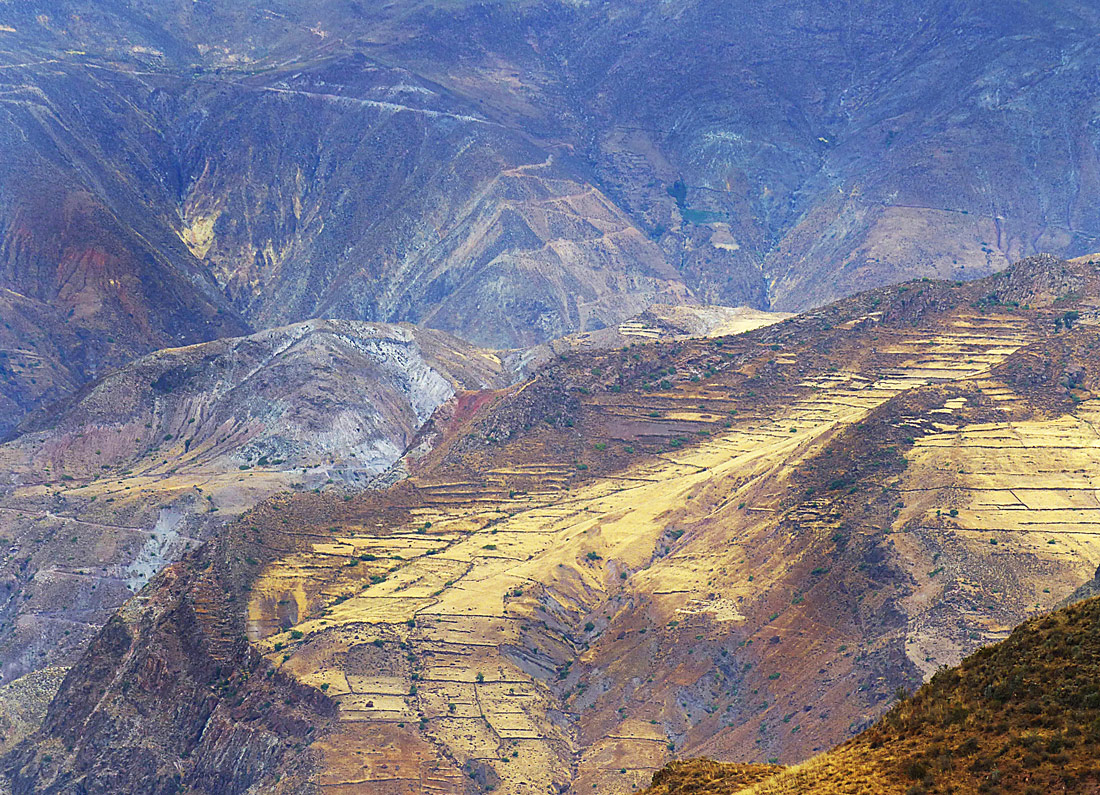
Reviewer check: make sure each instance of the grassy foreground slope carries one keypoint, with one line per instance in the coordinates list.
(1021, 716)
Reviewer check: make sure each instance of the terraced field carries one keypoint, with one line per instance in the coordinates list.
(736, 547)
(535, 638)
(1004, 516)
(97, 497)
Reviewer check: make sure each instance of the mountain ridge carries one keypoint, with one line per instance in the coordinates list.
(374, 414)
(700, 161)
(556, 548)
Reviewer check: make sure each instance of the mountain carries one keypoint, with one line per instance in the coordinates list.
(512, 172)
(738, 547)
(105, 488)
(87, 279)
(373, 414)
(149, 460)
(1021, 716)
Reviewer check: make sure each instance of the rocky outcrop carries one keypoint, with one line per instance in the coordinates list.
(235, 724)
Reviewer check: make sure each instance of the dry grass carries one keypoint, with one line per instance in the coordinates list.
(1020, 717)
(706, 775)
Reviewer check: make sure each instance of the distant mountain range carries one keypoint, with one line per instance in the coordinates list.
(511, 172)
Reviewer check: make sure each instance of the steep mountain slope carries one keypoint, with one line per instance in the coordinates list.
(387, 198)
(88, 279)
(234, 723)
(332, 187)
(1022, 716)
(738, 547)
(35, 347)
(511, 172)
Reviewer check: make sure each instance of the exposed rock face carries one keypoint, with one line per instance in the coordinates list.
(235, 726)
(302, 396)
(736, 547)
